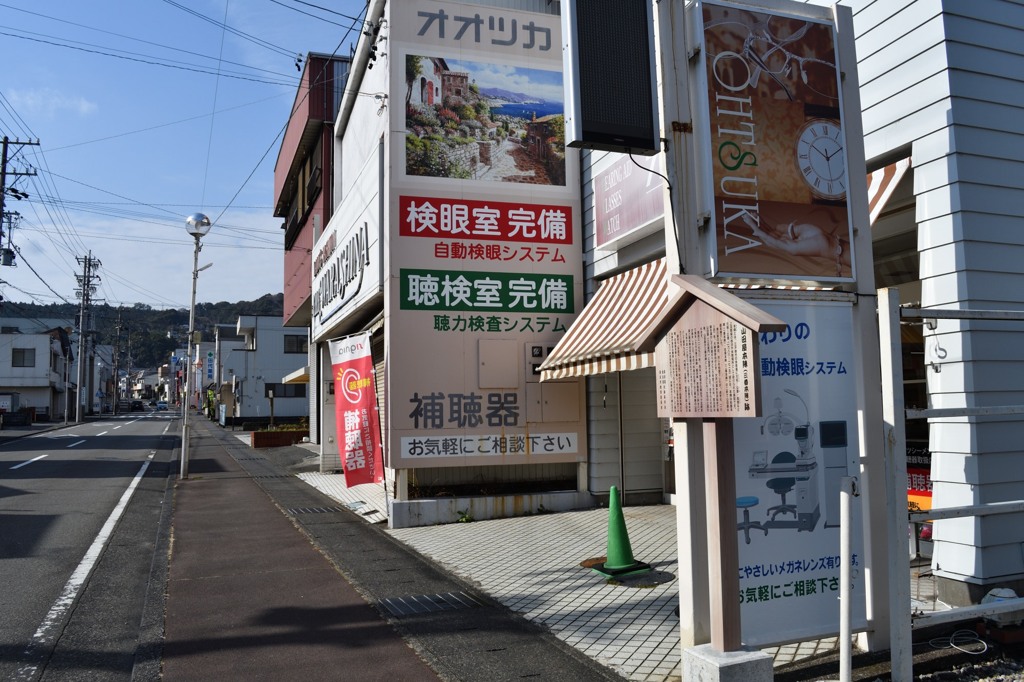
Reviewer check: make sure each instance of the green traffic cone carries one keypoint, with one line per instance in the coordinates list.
(619, 560)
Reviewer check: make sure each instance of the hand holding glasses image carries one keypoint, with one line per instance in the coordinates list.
(785, 50)
(802, 239)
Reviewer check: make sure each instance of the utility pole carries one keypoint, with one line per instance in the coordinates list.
(117, 359)
(128, 363)
(8, 254)
(86, 288)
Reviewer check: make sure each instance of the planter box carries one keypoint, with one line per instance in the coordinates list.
(276, 439)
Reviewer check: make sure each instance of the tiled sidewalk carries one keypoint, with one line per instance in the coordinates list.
(366, 500)
(532, 565)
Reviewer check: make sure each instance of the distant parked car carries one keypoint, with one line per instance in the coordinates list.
(137, 405)
(161, 405)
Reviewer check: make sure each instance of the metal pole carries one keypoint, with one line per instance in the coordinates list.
(188, 362)
(3, 177)
(901, 652)
(67, 380)
(81, 358)
(847, 489)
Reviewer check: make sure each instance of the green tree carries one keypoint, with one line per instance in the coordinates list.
(413, 70)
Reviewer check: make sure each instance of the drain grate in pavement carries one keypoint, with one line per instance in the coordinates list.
(429, 603)
(250, 459)
(272, 476)
(313, 510)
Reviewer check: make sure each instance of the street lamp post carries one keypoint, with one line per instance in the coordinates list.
(197, 225)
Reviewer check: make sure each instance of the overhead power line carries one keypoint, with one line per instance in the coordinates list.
(310, 14)
(21, 257)
(132, 38)
(241, 34)
(153, 61)
(324, 9)
(294, 110)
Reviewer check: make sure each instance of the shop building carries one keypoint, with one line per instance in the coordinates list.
(405, 258)
(455, 245)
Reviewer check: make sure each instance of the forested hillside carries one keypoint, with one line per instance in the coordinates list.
(148, 334)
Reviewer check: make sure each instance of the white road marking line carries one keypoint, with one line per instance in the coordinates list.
(102, 433)
(77, 442)
(34, 459)
(45, 635)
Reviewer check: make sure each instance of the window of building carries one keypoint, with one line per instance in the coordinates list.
(23, 357)
(286, 390)
(294, 343)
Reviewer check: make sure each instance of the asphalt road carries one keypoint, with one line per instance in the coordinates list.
(79, 513)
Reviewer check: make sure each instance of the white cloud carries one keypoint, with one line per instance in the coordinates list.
(49, 103)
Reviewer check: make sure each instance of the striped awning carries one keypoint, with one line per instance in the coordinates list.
(882, 183)
(607, 334)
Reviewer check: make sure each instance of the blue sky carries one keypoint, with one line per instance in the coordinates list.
(543, 84)
(148, 111)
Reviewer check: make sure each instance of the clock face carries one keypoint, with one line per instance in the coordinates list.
(822, 159)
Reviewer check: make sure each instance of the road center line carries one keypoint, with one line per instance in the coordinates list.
(46, 635)
(102, 433)
(77, 442)
(34, 459)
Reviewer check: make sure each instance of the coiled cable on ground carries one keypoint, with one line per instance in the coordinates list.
(958, 640)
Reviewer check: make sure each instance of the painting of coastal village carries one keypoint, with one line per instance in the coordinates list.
(479, 121)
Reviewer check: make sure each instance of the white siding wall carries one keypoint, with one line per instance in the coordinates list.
(944, 81)
(266, 364)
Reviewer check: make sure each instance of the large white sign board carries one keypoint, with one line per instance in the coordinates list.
(789, 464)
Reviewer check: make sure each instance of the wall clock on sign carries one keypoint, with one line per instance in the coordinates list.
(821, 158)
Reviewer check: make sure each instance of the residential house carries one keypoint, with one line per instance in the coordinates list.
(37, 365)
(268, 351)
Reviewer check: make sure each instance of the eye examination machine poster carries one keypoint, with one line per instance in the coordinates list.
(789, 465)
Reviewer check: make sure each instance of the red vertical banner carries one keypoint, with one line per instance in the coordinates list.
(358, 424)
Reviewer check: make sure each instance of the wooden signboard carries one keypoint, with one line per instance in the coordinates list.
(706, 359)
(707, 366)
(705, 351)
